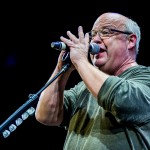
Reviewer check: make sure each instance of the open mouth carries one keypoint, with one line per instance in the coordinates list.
(98, 55)
(101, 51)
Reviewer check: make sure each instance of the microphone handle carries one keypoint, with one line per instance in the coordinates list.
(93, 47)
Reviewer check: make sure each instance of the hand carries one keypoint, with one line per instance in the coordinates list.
(78, 46)
(61, 62)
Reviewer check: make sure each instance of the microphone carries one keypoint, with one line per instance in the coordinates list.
(93, 48)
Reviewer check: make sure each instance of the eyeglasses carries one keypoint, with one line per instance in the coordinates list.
(106, 33)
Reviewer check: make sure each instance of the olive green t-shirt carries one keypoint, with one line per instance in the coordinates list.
(106, 122)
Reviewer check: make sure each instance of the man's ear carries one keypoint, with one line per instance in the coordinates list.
(132, 41)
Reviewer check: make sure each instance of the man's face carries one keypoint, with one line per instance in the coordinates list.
(114, 45)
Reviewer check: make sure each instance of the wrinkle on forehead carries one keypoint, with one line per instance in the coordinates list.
(110, 20)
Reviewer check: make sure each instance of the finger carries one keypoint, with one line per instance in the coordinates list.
(81, 34)
(67, 41)
(87, 38)
(72, 37)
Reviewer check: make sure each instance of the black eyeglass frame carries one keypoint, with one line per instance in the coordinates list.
(119, 31)
(114, 30)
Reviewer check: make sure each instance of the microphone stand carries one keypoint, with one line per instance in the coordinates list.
(25, 109)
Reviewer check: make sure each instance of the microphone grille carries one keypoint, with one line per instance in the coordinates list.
(94, 48)
(58, 45)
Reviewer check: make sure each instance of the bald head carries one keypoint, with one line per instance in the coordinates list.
(118, 21)
(113, 15)
(110, 19)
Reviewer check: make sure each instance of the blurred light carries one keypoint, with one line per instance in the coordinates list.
(12, 127)
(19, 121)
(25, 115)
(31, 111)
(10, 61)
(6, 133)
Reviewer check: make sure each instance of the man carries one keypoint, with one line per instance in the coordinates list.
(110, 108)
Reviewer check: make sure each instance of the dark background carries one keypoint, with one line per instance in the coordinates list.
(27, 60)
